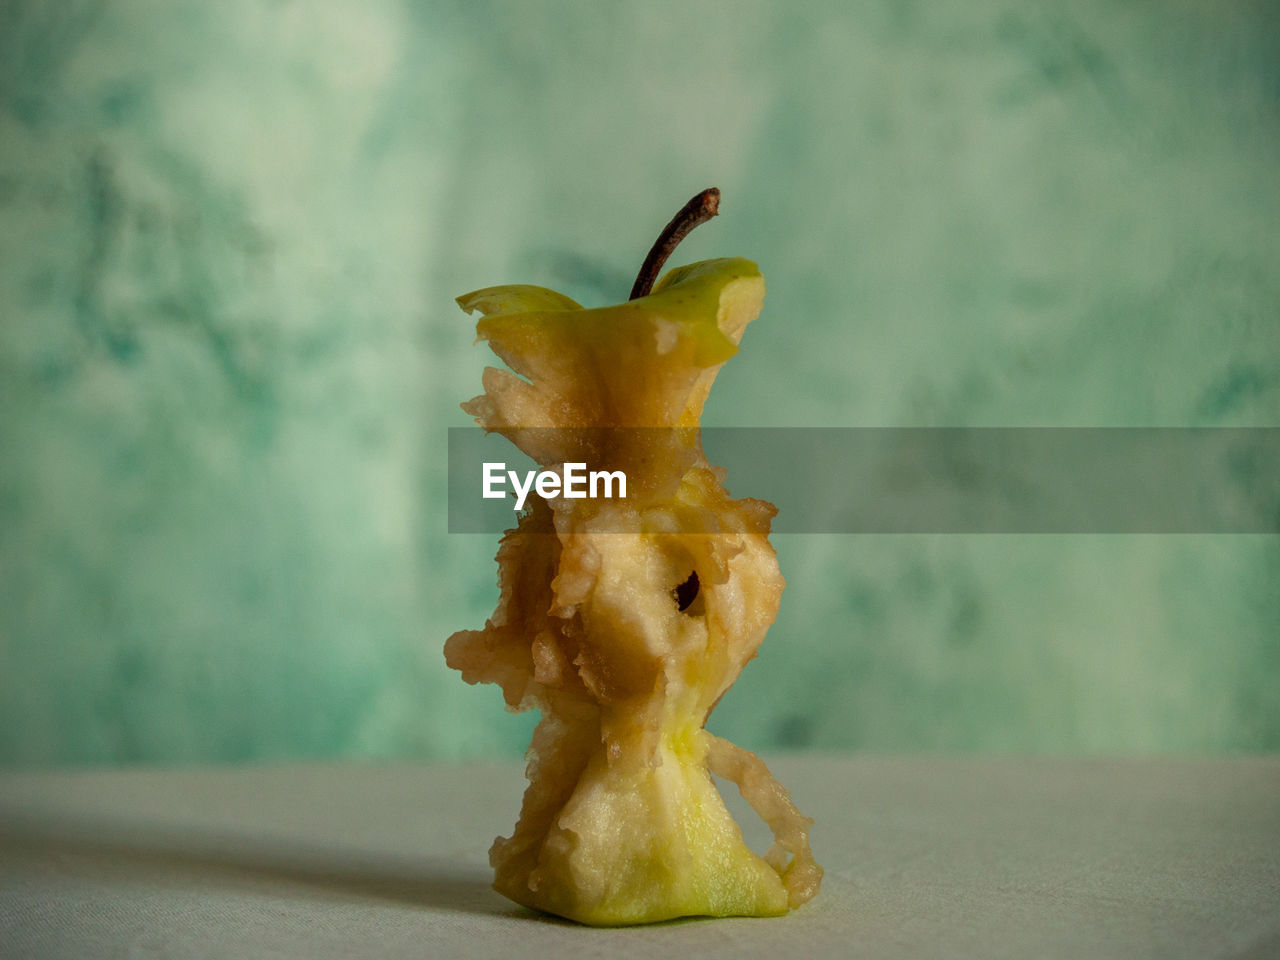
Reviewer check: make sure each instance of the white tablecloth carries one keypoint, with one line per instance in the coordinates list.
(925, 857)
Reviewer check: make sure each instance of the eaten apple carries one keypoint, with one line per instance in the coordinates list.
(625, 620)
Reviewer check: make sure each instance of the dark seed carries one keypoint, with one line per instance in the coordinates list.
(687, 592)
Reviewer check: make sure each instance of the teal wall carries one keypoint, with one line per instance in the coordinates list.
(230, 235)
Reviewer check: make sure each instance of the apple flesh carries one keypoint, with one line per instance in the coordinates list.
(625, 621)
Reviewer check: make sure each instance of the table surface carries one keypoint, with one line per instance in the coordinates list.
(924, 857)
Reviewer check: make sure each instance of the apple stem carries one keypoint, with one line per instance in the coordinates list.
(698, 210)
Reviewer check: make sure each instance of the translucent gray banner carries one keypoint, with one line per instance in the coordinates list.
(921, 480)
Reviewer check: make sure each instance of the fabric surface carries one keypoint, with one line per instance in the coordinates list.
(924, 857)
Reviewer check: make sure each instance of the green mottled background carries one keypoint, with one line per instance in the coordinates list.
(230, 235)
